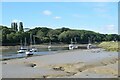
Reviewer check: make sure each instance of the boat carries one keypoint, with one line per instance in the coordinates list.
(32, 49)
(49, 47)
(89, 46)
(23, 49)
(75, 46)
(29, 53)
(71, 46)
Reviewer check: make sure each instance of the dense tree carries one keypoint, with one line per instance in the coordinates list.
(11, 36)
(53, 35)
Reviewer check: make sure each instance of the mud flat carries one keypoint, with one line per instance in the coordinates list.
(93, 63)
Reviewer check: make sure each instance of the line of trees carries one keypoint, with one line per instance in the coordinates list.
(11, 36)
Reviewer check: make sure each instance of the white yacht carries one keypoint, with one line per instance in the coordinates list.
(71, 46)
(49, 46)
(75, 45)
(33, 49)
(89, 46)
(22, 50)
(28, 53)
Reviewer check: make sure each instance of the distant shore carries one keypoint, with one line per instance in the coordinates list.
(46, 46)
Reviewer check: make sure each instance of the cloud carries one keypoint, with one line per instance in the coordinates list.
(110, 27)
(76, 15)
(57, 17)
(47, 12)
(16, 20)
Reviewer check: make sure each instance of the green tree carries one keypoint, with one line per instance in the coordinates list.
(53, 35)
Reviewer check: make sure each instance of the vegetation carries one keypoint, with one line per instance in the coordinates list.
(110, 46)
(13, 36)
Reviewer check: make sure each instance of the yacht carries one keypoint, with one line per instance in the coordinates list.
(71, 46)
(75, 46)
(29, 53)
(89, 46)
(22, 49)
(49, 46)
(33, 49)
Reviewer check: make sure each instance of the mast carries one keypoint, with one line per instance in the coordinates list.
(21, 42)
(50, 43)
(31, 39)
(25, 42)
(75, 40)
(34, 39)
(71, 41)
(89, 41)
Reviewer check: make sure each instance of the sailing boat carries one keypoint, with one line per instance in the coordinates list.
(71, 46)
(75, 46)
(89, 44)
(22, 49)
(33, 49)
(49, 47)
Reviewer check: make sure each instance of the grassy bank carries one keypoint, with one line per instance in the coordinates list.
(110, 46)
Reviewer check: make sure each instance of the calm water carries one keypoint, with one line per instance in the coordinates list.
(12, 53)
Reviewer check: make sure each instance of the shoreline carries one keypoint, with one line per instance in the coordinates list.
(44, 46)
(72, 63)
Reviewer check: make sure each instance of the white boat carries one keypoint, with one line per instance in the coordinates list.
(49, 46)
(75, 45)
(33, 49)
(22, 50)
(89, 46)
(71, 46)
(28, 53)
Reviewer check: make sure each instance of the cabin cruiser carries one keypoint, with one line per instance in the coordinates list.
(71, 46)
(33, 49)
(89, 46)
(29, 53)
(22, 50)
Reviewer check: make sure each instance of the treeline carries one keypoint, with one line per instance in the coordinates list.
(45, 35)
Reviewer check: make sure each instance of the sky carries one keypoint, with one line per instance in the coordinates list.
(100, 17)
